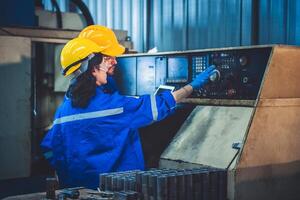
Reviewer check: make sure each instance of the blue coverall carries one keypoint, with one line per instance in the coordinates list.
(102, 137)
(111, 85)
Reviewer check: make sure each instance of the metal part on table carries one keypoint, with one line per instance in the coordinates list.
(168, 184)
(51, 186)
(68, 193)
(126, 195)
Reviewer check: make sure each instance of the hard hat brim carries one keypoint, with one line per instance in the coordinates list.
(73, 69)
(114, 50)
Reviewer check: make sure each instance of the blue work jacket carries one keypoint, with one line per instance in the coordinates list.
(103, 137)
(111, 85)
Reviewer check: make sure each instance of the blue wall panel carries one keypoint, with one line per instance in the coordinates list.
(279, 22)
(213, 23)
(194, 24)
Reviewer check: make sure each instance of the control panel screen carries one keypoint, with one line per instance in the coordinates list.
(177, 69)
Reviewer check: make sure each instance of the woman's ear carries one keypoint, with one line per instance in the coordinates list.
(94, 71)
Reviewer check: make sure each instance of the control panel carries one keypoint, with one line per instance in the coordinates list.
(238, 72)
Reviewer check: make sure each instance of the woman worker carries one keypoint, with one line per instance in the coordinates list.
(96, 132)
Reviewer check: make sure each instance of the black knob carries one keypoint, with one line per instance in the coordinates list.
(243, 60)
(245, 79)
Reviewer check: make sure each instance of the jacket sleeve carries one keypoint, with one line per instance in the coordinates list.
(49, 143)
(147, 109)
(47, 148)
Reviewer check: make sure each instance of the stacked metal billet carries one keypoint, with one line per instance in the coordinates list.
(118, 181)
(167, 184)
(123, 184)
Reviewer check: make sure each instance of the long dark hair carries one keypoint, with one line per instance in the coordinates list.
(84, 87)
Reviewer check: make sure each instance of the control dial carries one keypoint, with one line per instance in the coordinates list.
(215, 76)
(243, 60)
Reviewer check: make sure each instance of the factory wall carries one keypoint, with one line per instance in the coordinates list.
(197, 24)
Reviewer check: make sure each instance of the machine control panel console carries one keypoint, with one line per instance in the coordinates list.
(238, 72)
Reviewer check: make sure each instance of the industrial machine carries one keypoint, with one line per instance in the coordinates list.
(246, 120)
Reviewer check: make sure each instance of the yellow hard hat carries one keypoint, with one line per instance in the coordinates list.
(75, 52)
(105, 38)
